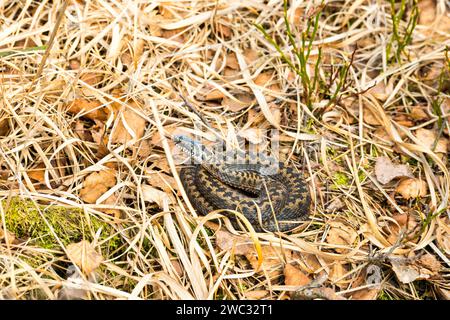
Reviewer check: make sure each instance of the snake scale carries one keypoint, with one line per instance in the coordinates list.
(272, 200)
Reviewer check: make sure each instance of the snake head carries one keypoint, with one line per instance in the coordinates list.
(194, 148)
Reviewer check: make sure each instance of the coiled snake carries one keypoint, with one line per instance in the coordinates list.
(272, 198)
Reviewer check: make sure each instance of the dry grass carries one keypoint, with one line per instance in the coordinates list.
(141, 56)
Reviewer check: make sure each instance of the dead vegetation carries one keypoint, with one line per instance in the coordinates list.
(91, 92)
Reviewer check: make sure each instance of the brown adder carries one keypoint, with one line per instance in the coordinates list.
(272, 196)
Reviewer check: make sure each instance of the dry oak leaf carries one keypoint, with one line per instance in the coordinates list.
(231, 74)
(130, 125)
(37, 173)
(412, 188)
(264, 78)
(210, 93)
(96, 184)
(341, 234)
(427, 11)
(365, 293)
(253, 135)
(7, 236)
(92, 110)
(273, 258)
(91, 78)
(381, 91)
(250, 56)
(427, 138)
(336, 276)
(111, 200)
(84, 255)
(294, 276)
(335, 205)
(409, 270)
(4, 127)
(405, 221)
(369, 118)
(385, 170)
(419, 113)
(241, 101)
(224, 30)
(169, 130)
(154, 195)
(161, 180)
(383, 136)
(403, 120)
(231, 61)
(255, 294)
(239, 245)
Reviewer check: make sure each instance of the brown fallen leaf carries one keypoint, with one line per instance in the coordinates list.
(250, 56)
(255, 294)
(419, 113)
(264, 78)
(404, 120)
(96, 184)
(161, 180)
(341, 234)
(427, 11)
(408, 270)
(224, 30)
(405, 222)
(169, 130)
(178, 267)
(253, 135)
(214, 94)
(4, 127)
(37, 173)
(337, 271)
(294, 276)
(273, 257)
(370, 118)
(7, 237)
(90, 109)
(243, 100)
(154, 195)
(335, 205)
(382, 136)
(130, 125)
(427, 138)
(91, 78)
(174, 35)
(84, 255)
(239, 245)
(111, 200)
(231, 74)
(386, 171)
(412, 188)
(74, 64)
(231, 61)
(430, 73)
(381, 91)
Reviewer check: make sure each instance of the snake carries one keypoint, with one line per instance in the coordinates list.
(271, 195)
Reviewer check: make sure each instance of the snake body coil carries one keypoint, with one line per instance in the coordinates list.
(272, 200)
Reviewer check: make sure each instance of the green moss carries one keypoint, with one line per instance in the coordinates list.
(341, 179)
(28, 221)
(361, 176)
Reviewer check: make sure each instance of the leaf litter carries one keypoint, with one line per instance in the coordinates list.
(363, 113)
